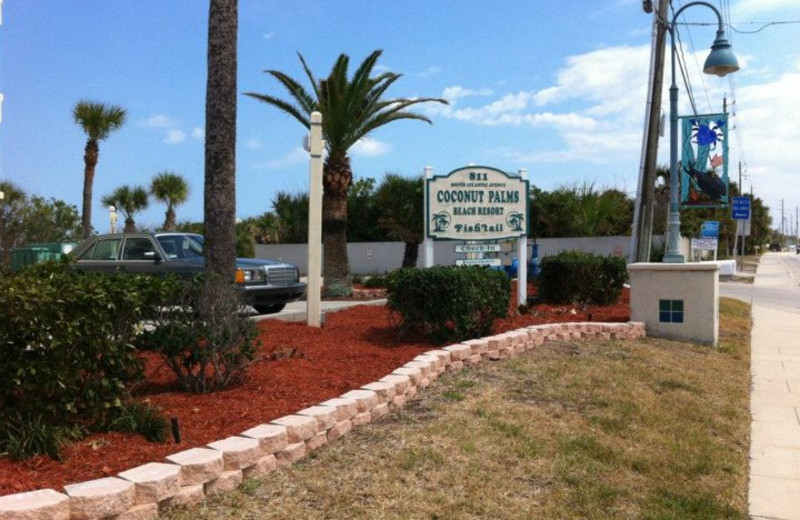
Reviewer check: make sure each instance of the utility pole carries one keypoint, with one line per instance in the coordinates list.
(783, 220)
(641, 234)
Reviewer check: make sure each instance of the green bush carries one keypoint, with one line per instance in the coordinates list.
(375, 281)
(206, 339)
(67, 353)
(448, 303)
(25, 436)
(585, 278)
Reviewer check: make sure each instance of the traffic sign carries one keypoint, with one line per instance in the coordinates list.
(740, 208)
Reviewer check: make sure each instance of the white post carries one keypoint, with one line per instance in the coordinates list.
(316, 146)
(522, 256)
(428, 242)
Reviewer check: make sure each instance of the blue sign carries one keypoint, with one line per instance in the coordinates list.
(740, 208)
(709, 229)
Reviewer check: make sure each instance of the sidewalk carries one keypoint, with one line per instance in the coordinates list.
(775, 398)
(296, 311)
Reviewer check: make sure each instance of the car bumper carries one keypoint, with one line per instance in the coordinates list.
(259, 294)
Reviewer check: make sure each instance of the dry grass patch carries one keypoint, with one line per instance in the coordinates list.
(647, 429)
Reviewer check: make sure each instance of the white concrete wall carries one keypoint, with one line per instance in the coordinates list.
(380, 257)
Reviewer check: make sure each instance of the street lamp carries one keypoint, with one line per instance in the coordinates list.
(720, 61)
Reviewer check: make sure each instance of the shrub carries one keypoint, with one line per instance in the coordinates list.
(25, 436)
(448, 303)
(206, 340)
(139, 418)
(67, 356)
(585, 278)
(375, 281)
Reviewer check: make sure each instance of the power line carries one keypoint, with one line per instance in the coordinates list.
(764, 25)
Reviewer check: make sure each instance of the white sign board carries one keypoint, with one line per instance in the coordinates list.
(477, 248)
(477, 203)
(704, 244)
(493, 262)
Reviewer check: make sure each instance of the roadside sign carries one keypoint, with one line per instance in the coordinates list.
(740, 208)
(709, 229)
(477, 248)
(492, 262)
(704, 244)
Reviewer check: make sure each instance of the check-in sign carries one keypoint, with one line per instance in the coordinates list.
(477, 203)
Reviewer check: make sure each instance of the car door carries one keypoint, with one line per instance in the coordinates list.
(101, 256)
(140, 255)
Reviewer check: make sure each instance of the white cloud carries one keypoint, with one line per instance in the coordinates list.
(198, 133)
(254, 143)
(174, 137)
(749, 7)
(455, 92)
(158, 121)
(430, 71)
(296, 156)
(268, 35)
(370, 148)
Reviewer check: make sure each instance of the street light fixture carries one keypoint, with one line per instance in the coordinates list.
(720, 61)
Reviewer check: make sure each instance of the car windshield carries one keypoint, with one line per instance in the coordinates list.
(181, 246)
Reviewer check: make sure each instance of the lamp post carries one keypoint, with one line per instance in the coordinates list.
(721, 61)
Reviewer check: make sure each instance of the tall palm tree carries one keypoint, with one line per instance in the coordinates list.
(219, 201)
(171, 189)
(351, 108)
(97, 120)
(401, 203)
(130, 201)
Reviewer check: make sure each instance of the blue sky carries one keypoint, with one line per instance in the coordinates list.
(555, 87)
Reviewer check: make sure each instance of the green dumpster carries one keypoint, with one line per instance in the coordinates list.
(37, 253)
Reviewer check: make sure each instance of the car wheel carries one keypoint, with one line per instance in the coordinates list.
(269, 309)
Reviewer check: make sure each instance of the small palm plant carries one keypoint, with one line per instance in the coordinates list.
(130, 201)
(171, 189)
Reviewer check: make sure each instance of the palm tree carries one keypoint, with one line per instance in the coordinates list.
(400, 200)
(97, 120)
(171, 189)
(219, 201)
(351, 108)
(130, 201)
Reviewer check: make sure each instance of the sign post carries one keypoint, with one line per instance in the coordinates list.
(315, 148)
(740, 210)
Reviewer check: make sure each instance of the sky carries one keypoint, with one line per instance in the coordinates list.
(557, 88)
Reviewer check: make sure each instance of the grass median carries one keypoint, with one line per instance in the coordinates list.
(648, 429)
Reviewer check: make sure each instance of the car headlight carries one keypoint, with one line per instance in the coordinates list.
(249, 275)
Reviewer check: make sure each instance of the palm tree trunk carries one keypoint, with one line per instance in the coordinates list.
(220, 150)
(130, 225)
(336, 263)
(410, 254)
(90, 156)
(169, 221)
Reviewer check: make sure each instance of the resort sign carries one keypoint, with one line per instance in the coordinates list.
(477, 203)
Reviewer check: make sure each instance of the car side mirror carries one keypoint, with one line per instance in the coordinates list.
(152, 255)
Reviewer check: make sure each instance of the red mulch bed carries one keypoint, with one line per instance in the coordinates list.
(355, 347)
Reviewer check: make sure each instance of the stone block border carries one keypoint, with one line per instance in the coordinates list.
(187, 477)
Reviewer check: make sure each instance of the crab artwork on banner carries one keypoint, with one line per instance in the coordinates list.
(704, 165)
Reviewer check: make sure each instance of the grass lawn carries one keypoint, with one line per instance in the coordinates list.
(648, 429)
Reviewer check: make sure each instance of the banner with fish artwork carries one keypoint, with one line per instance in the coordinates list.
(704, 165)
